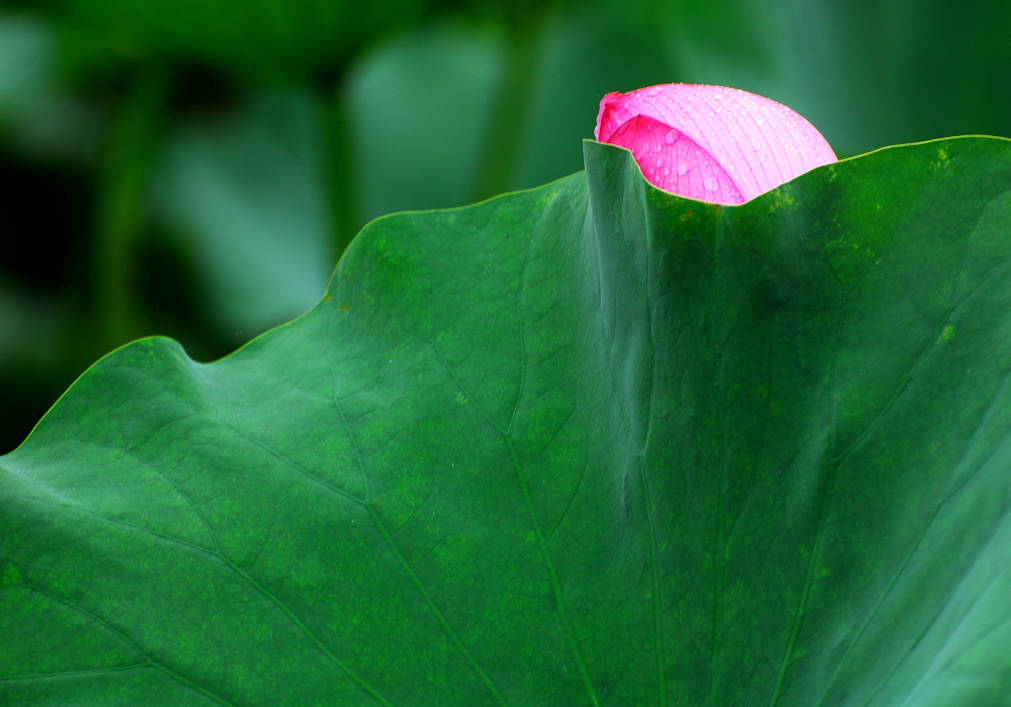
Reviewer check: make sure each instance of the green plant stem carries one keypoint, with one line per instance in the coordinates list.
(509, 110)
(130, 149)
(340, 183)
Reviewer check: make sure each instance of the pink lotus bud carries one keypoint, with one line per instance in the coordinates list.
(711, 143)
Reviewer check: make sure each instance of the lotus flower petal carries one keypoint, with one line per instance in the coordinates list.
(711, 143)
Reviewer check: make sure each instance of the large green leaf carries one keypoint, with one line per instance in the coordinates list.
(586, 443)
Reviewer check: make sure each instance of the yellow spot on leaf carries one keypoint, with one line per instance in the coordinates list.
(781, 198)
(941, 161)
(946, 334)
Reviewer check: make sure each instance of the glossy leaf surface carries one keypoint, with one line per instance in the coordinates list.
(588, 443)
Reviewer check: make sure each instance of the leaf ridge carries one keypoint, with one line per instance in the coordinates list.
(915, 546)
(158, 665)
(355, 449)
(280, 456)
(825, 486)
(990, 629)
(579, 481)
(31, 677)
(395, 549)
(719, 531)
(654, 552)
(440, 617)
(251, 581)
(538, 531)
(186, 544)
(219, 553)
(521, 386)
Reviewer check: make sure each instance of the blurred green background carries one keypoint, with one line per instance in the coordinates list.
(195, 168)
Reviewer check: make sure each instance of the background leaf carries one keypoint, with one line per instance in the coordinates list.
(621, 447)
(419, 108)
(270, 39)
(246, 197)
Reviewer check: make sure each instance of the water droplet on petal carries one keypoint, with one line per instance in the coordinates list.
(710, 183)
(683, 168)
(672, 136)
(656, 147)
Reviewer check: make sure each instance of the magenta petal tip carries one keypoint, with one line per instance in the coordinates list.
(711, 143)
